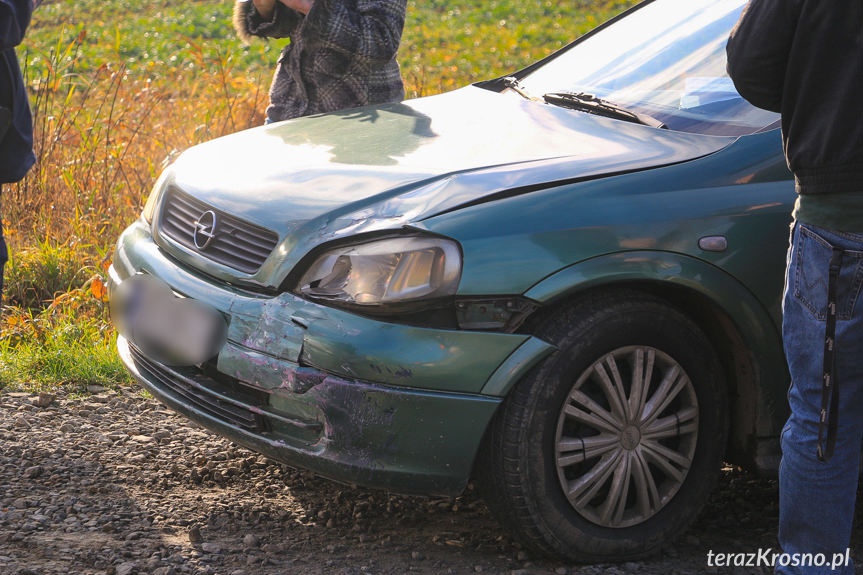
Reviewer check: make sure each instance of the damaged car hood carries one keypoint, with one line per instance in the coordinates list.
(318, 178)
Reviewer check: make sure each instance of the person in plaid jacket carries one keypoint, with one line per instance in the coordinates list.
(342, 53)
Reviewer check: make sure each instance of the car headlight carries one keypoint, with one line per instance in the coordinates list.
(385, 271)
(153, 199)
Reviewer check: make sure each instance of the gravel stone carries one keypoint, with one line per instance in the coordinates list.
(33, 472)
(44, 400)
(142, 439)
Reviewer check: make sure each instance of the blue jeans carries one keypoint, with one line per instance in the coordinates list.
(816, 499)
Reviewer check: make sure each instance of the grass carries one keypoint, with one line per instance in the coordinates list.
(69, 343)
(119, 88)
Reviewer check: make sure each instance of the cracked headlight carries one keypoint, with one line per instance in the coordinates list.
(386, 271)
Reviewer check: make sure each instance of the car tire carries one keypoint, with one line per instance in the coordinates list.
(637, 468)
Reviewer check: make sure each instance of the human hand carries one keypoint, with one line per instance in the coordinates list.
(301, 6)
(265, 8)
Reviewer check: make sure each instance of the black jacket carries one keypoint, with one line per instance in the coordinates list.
(16, 146)
(804, 58)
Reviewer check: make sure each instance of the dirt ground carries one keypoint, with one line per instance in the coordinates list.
(115, 483)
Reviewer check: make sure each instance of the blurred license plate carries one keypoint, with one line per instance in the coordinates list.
(169, 329)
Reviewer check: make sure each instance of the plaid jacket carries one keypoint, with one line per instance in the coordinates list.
(342, 54)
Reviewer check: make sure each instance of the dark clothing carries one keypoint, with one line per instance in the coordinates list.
(804, 58)
(342, 54)
(16, 146)
(16, 137)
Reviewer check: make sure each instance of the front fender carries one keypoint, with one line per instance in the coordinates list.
(666, 270)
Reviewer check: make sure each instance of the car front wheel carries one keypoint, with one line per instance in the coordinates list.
(609, 448)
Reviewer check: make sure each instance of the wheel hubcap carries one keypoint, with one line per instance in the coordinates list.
(626, 436)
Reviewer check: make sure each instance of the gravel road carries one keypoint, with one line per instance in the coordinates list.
(115, 483)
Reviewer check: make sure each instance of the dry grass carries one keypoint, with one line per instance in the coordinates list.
(103, 137)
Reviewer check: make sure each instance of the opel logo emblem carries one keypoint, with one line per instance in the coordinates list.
(205, 230)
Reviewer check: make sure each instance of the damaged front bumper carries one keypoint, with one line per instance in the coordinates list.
(354, 399)
(396, 439)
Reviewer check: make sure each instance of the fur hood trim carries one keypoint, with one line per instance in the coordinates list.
(241, 19)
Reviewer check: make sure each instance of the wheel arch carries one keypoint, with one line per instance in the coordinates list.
(742, 333)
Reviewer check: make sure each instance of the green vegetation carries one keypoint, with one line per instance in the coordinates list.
(450, 44)
(62, 352)
(36, 275)
(68, 343)
(118, 88)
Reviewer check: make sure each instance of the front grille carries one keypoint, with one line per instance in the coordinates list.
(237, 243)
(197, 389)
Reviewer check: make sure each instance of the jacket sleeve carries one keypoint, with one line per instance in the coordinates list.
(248, 23)
(371, 31)
(758, 50)
(14, 19)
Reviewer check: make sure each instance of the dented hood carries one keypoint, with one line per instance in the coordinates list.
(321, 177)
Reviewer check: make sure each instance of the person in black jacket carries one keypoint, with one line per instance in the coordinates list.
(804, 58)
(16, 124)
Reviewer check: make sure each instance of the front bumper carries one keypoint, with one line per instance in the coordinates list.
(402, 440)
(354, 399)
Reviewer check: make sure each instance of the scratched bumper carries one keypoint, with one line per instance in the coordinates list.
(357, 400)
(402, 440)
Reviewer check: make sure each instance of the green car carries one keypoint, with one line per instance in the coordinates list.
(564, 283)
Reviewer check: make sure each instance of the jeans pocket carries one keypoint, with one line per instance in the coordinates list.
(811, 272)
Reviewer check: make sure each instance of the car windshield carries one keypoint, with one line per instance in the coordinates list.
(666, 60)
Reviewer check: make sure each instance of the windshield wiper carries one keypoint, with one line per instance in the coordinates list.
(593, 105)
(513, 84)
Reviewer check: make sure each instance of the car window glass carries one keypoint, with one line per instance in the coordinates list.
(667, 60)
